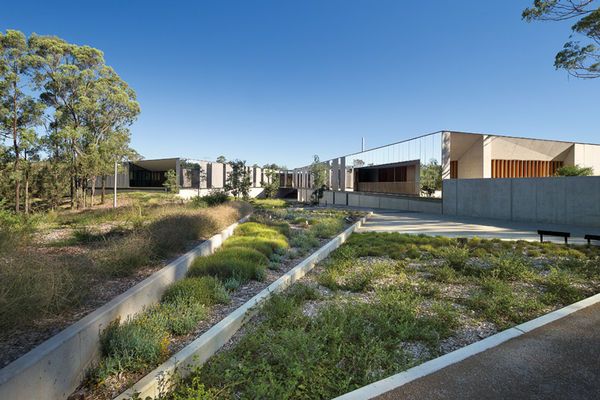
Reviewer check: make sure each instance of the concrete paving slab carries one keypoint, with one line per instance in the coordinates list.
(560, 360)
(455, 226)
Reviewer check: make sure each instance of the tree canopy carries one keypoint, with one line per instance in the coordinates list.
(60, 101)
(431, 177)
(580, 59)
(574, 170)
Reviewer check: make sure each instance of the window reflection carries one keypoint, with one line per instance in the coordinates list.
(424, 149)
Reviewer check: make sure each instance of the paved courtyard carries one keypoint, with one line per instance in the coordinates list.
(453, 226)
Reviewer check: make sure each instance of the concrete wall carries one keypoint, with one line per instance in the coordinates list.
(470, 165)
(189, 193)
(587, 155)
(215, 176)
(389, 202)
(509, 148)
(557, 200)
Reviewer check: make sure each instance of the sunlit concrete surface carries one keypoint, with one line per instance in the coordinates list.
(560, 360)
(454, 226)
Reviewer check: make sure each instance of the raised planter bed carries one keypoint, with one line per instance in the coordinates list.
(55, 368)
(199, 350)
(386, 303)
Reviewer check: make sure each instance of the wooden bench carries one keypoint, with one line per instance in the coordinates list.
(589, 238)
(543, 233)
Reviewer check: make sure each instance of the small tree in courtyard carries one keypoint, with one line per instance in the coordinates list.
(574, 170)
(171, 181)
(431, 178)
(318, 173)
(271, 183)
(238, 180)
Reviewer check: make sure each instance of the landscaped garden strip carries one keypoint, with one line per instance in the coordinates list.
(385, 302)
(67, 264)
(258, 252)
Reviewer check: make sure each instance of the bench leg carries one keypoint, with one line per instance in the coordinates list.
(566, 240)
(541, 238)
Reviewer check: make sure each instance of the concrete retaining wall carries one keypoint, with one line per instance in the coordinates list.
(201, 349)
(190, 193)
(56, 367)
(557, 200)
(383, 201)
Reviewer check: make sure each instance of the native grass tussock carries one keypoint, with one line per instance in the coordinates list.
(39, 280)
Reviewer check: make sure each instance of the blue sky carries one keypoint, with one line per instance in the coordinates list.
(279, 81)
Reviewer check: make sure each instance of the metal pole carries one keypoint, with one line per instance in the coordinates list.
(115, 186)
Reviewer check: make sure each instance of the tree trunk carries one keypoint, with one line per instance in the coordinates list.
(16, 149)
(77, 193)
(27, 191)
(84, 192)
(74, 179)
(72, 192)
(103, 189)
(93, 190)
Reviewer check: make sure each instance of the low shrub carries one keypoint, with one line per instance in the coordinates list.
(131, 346)
(503, 305)
(327, 227)
(205, 290)
(198, 202)
(560, 287)
(511, 266)
(178, 317)
(14, 228)
(258, 230)
(455, 256)
(240, 263)
(214, 198)
(358, 275)
(263, 245)
(194, 390)
(303, 241)
(270, 203)
(443, 273)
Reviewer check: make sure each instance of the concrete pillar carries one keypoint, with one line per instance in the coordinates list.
(343, 174)
(418, 178)
(487, 156)
(178, 176)
(204, 175)
(215, 175)
(257, 176)
(333, 176)
(446, 153)
(226, 171)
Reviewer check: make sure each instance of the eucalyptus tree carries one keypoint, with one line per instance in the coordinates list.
(238, 179)
(110, 110)
(20, 113)
(65, 74)
(93, 108)
(579, 59)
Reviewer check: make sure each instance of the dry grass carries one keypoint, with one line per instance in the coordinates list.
(36, 282)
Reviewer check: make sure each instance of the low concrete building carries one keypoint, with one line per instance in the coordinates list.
(396, 168)
(195, 177)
